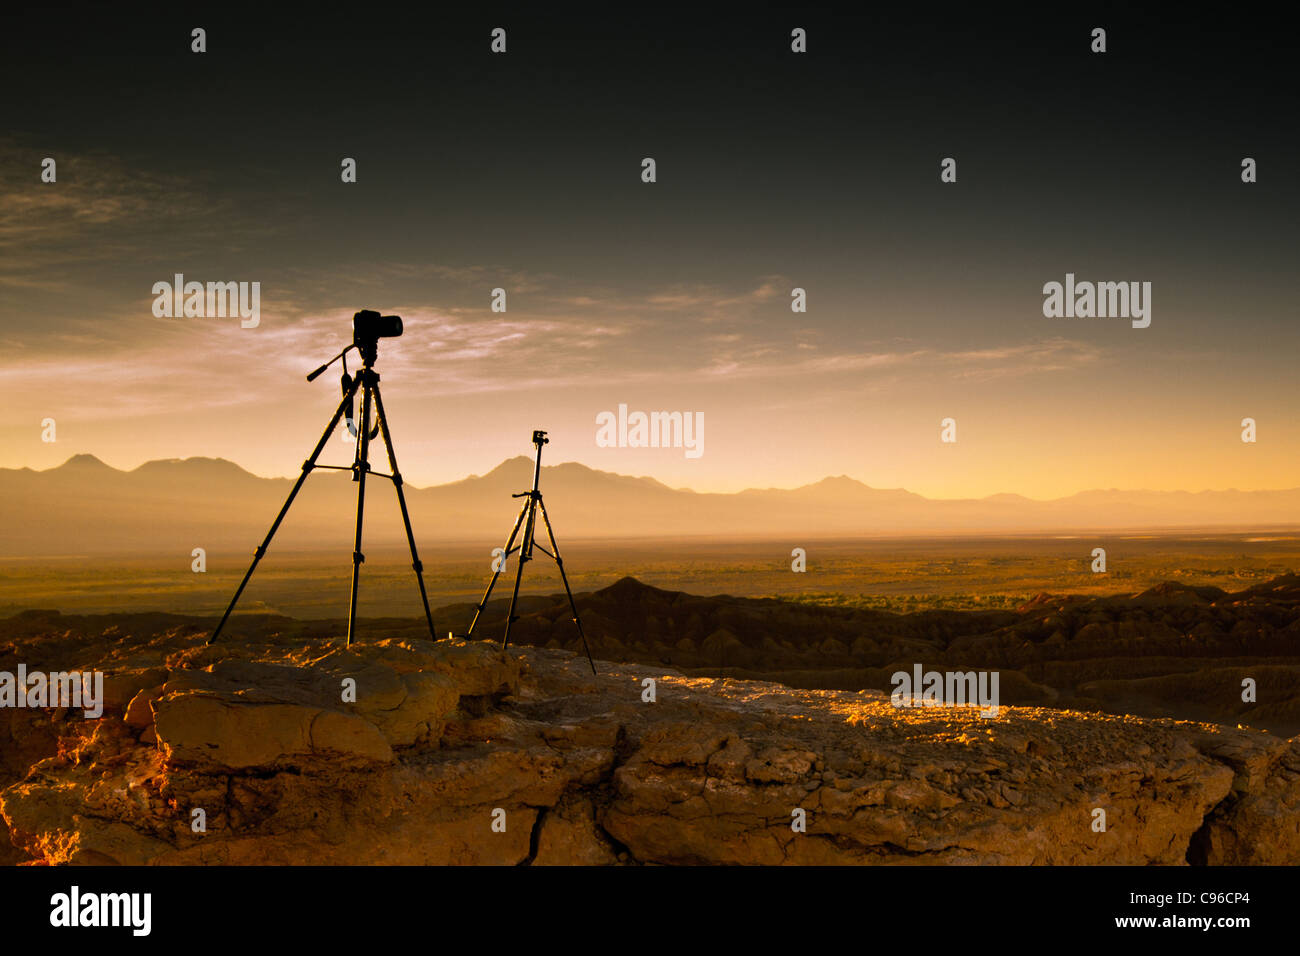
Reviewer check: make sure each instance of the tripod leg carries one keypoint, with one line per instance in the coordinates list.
(275, 526)
(525, 550)
(362, 466)
(559, 562)
(401, 501)
(505, 553)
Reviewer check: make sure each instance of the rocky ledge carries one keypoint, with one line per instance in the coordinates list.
(290, 749)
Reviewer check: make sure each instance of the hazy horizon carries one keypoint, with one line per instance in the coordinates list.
(293, 474)
(172, 506)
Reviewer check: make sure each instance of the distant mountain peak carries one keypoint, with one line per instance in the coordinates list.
(843, 481)
(512, 463)
(85, 461)
(196, 465)
(1176, 591)
(512, 467)
(628, 589)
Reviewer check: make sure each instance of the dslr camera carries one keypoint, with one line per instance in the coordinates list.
(368, 327)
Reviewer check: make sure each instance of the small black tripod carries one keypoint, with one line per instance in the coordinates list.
(528, 520)
(368, 327)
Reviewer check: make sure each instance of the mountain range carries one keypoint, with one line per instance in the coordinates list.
(85, 506)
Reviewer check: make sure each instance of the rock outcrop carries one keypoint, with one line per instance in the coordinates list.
(290, 749)
(1170, 651)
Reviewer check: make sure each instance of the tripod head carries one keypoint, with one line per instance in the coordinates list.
(368, 327)
(539, 439)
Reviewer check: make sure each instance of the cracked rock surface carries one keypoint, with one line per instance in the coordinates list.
(459, 753)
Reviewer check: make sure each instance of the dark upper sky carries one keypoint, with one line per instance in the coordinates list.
(775, 170)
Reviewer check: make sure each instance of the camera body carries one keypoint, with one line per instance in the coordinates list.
(539, 438)
(368, 327)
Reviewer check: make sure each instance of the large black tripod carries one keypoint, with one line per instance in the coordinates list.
(368, 327)
(528, 521)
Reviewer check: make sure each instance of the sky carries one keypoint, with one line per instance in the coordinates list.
(775, 171)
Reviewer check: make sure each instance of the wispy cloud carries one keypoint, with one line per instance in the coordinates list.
(100, 209)
(807, 359)
(560, 331)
